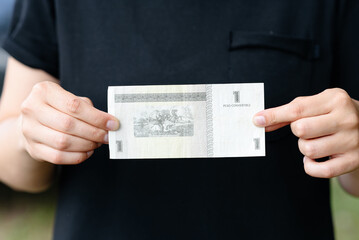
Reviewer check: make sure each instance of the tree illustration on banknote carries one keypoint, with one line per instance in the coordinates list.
(164, 121)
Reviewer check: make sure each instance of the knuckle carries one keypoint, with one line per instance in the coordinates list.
(352, 121)
(334, 91)
(308, 170)
(335, 125)
(62, 142)
(86, 99)
(67, 124)
(88, 145)
(341, 97)
(296, 110)
(26, 107)
(73, 105)
(300, 146)
(92, 145)
(328, 91)
(349, 122)
(354, 141)
(353, 160)
(57, 157)
(339, 90)
(299, 129)
(297, 99)
(308, 149)
(40, 87)
(346, 101)
(98, 134)
(100, 120)
(327, 171)
(272, 119)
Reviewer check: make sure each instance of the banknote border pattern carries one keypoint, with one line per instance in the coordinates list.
(209, 120)
(160, 97)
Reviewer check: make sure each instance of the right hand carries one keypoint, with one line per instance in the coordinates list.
(61, 128)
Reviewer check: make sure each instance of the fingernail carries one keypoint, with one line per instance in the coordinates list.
(89, 153)
(105, 139)
(112, 125)
(305, 158)
(259, 121)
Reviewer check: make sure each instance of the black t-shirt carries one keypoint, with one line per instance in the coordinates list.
(296, 48)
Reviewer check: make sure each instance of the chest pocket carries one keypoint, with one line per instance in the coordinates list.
(283, 63)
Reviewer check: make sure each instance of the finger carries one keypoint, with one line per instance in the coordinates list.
(314, 127)
(87, 100)
(72, 105)
(275, 127)
(326, 146)
(64, 123)
(300, 107)
(333, 167)
(45, 153)
(61, 141)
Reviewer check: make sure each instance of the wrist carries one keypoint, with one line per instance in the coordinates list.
(350, 182)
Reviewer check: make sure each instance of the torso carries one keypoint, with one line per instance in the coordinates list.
(105, 43)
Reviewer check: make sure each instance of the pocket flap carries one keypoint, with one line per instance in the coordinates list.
(304, 48)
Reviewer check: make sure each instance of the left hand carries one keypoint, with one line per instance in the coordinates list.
(327, 125)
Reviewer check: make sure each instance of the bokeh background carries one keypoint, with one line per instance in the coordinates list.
(31, 216)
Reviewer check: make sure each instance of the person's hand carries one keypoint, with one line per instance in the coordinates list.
(327, 125)
(61, 128)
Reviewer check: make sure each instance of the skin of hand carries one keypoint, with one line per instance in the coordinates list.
(61, 128)
(41, 125)
(327, 125)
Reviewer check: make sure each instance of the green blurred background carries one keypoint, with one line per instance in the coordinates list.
(31, 217)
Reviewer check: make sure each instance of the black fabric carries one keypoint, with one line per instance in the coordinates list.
(304, 47)
(32, 37)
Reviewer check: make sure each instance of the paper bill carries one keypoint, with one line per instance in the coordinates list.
(186, 121)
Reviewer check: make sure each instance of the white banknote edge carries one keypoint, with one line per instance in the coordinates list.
(112, 134)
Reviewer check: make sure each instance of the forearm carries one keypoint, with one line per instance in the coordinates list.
(350, 182)
(17, 169)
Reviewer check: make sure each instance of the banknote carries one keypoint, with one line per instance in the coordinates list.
(186, 121)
